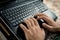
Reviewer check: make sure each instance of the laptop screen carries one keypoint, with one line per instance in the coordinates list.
(28, 0)
(4, 1)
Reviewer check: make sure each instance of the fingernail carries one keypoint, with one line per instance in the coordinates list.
(20, 24)
(43, 24)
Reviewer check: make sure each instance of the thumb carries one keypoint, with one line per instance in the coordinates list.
(48, 27)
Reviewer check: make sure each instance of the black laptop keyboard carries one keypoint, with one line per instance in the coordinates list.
(17, 14)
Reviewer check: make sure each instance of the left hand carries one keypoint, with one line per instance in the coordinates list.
(50, 24)
(33, 32)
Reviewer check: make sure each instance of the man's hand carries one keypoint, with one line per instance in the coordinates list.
(33, 32)
(51, 25)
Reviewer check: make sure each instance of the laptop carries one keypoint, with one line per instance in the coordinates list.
(14, 12)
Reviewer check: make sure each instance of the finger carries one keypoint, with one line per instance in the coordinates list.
(47, 19)
(41, 14)
(26, 31)
(32, 22)
(35, 21)
(28, 34)
(28, 23)
(23, 27)
(42, 17)
(43, 32)
(47, 26)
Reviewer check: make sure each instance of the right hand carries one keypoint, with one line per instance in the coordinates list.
(51, 25)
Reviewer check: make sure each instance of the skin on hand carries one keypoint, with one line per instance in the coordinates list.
(51, 25)
(33, 32)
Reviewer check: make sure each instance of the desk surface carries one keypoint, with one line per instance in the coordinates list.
(55, 6)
